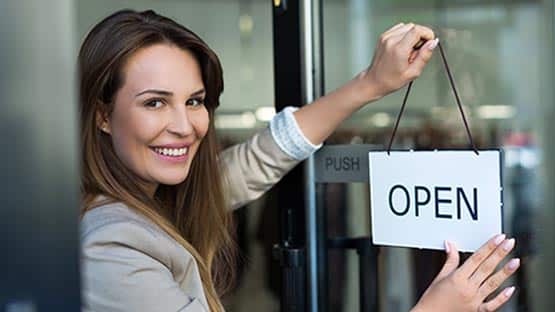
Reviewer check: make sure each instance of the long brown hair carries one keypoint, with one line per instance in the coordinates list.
(193, 212)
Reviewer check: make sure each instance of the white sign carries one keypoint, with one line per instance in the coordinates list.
(420, 199)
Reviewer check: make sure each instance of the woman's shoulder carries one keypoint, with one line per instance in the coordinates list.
(116, 224)
(111, 213)
(120, 247)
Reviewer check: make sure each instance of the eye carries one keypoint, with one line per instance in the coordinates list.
(195, 102)
(154, 103)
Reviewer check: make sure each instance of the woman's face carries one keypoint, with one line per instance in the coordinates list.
(159, 117)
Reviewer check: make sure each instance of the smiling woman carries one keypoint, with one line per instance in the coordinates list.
(157, 195)
(148, 90)
(159, 117)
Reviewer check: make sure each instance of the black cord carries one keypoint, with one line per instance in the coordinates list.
(452, 82)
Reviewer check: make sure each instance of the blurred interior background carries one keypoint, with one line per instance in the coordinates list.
(500, 53)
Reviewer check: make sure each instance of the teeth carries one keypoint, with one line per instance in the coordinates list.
(171, 151)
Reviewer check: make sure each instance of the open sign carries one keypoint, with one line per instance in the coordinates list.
(420, 199)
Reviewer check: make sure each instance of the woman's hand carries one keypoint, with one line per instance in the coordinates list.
(396, 61)
(466, 288)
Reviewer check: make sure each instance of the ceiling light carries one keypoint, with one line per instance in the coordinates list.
(495, 111)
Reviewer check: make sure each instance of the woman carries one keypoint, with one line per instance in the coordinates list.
(157, 197)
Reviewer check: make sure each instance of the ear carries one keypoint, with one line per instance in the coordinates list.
(102, 122)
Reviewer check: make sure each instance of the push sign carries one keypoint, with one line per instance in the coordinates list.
(420, 199)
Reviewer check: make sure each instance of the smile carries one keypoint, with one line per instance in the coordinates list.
(173, 152)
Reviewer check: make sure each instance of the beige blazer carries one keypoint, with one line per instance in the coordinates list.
(130, 264)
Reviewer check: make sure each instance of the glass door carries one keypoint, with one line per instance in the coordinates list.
(500, 55)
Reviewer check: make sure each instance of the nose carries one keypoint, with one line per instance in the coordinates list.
(180, 124)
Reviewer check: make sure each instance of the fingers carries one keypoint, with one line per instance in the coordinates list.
(451, 263)
(398, 30)
(494, 281)
(413, 36)
(489, 265)
(427, 47)
(419, 59)
(390, 68)
(472, 263)
(404, 38)
(408, 35)
(498, 301)
(394, 28)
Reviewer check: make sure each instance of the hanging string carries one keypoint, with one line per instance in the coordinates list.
(399, 117)
(452, 82)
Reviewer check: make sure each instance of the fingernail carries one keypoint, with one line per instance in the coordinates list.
(447, 248)
(509, 244)
(498, 239)
(434, 43)
(509, 291)
(514, 264)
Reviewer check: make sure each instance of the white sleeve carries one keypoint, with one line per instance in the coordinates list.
(289, 136)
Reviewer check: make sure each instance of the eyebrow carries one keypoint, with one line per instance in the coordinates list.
(167, 93)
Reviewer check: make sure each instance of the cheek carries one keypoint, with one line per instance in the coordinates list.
(201, 120)
(131, 132)
(122, 135)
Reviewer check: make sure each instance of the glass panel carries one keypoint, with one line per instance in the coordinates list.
(496, 53)
(38, 161)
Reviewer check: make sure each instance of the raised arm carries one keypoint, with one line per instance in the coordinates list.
(256, 165)
(395, 63)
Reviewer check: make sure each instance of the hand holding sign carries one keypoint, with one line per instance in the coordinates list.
(396, 61)
(403, 187)
(466, 288)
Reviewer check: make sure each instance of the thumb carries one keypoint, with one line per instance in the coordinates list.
(424, 55)
(451, 263)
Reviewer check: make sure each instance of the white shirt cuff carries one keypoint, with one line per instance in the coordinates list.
(288, 135)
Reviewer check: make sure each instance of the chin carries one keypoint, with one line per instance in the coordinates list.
(170, 181)
(172, 178)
